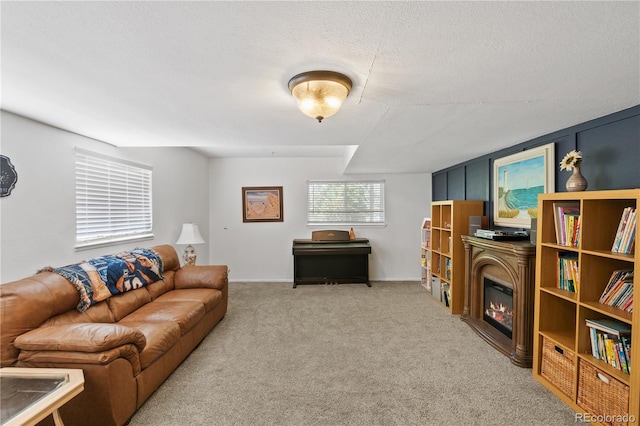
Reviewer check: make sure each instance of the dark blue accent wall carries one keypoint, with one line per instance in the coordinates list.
(439, 183)
(456, 184)
(610, 148)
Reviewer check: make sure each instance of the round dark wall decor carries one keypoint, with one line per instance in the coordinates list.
(8, 176)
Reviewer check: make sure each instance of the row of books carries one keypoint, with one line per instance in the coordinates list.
(447, 270)
(568, 271)
(426, 278)
(626, 233)
(567, 221)
(611, 342)
(619, 290)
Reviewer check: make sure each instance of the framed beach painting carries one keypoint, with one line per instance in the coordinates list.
(517, 181)
(262, 204)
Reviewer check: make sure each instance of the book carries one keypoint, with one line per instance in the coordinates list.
(594, 342)
(610, 352)
(624, 363)
(628, 237)
(447, 271)
(610, 326)
(602, 354)
(626, 348)
(632, 239)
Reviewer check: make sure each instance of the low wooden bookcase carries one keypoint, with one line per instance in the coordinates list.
(449, 221)
(562, 358)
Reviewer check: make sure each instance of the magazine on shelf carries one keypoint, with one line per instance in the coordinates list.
(619, 290)
(610, 326)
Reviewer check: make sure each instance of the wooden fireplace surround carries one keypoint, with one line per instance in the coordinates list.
(511, 263)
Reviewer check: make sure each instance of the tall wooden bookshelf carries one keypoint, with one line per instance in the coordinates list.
(425, 253)
(449, 221)
(563, 359)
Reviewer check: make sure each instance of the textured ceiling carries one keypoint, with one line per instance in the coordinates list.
(435, 83)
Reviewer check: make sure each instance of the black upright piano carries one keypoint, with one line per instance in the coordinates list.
(330, 257)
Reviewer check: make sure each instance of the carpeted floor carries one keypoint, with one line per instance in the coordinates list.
(347, 355)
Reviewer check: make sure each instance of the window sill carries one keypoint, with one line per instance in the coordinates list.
(112, 242)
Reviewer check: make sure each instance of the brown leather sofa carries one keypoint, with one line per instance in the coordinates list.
(126, 345)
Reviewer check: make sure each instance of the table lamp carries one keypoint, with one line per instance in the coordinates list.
(190, 235)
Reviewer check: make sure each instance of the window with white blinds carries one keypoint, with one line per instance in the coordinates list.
(346, 202)
(113, 200)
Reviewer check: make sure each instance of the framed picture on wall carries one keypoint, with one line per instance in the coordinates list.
(262, 204)
(517, 181)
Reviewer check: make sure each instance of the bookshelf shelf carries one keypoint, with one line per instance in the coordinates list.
(449, 221)
(561, 316)
(563, 294)
(601, 365)
(565, 339)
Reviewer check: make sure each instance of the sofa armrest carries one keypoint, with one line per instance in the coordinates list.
(191, 276)
(80, 337)
(65, 359)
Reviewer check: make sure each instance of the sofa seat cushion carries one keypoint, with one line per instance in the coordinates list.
(161, 336)
(184, 313)
(208, 297)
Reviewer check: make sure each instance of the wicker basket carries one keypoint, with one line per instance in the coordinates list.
(602, 396)
(558, 366)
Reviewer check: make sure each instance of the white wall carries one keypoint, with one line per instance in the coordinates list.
(262, 251)
(37, 221)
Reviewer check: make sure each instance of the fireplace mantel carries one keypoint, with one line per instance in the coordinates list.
(511, 263)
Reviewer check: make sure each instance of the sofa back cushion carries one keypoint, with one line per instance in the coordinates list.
(123, 304)
(27, 303)
(99, 312)
(170, 261)
(159, 288)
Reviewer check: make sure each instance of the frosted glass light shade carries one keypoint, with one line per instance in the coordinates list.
(190, 234)
(320, 94)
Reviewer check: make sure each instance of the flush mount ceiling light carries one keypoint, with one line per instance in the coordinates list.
(320, 94)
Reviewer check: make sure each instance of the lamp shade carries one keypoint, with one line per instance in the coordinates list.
(320, 94)
(190, 234)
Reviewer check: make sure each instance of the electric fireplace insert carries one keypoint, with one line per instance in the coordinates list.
(498, 306)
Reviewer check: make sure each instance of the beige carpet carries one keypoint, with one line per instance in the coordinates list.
(347, 355)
